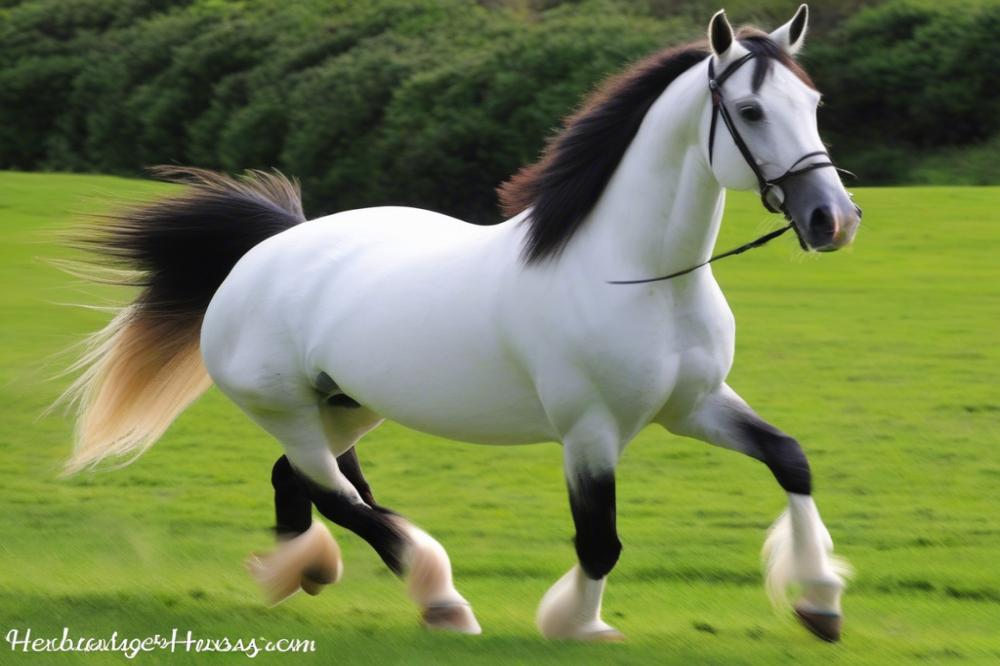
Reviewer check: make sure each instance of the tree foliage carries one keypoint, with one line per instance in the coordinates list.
(907, 77)
(434, 102)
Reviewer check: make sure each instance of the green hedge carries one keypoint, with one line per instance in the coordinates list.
(907, 79)
(434, 102)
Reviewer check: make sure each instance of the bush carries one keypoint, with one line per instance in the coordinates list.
(453, 132)
(915, 72)
(44, 46)
(434, 102)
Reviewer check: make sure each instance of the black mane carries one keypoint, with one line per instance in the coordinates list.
(563, 186)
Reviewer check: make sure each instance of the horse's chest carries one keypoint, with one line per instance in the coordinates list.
(704, 345)
(658, 355)
(705, 353)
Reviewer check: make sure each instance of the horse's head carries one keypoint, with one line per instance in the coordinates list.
(760, 131)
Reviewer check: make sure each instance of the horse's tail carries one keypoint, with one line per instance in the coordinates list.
(144, 368)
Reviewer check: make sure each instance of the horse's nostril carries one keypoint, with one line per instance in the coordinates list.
(823, 224)
(822, 217)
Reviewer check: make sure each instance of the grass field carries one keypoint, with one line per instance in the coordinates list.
(882, 360)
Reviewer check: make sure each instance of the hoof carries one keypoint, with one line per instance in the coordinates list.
(594, 632)
(451, 617)
(309, 562)
(822, 625)
(571, 611)
(605, 636)
(311, 587)
(314, 579)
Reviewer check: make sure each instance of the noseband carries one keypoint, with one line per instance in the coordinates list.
(771, 195)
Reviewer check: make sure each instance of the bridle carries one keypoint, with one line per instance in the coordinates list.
(771, 195)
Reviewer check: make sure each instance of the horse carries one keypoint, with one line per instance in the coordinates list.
(548, 327)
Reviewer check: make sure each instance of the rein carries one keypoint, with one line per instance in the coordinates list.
(763, 240)
(772, 197)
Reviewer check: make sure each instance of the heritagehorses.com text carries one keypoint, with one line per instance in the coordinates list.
(175, 641)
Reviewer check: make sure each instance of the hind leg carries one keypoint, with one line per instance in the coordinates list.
(307, 556)
(313, 438)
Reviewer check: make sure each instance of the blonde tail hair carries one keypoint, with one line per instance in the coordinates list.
(138, 375)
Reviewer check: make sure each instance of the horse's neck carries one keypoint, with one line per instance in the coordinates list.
(661, 210)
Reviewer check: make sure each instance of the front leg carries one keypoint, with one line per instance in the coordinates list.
(798, 549)
(572, 607)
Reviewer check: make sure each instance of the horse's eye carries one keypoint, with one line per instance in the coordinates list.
(751, 112)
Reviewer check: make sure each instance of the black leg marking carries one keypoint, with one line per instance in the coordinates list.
(592, 501)
(781, 453)
(292, 506)
(351, 467)
(377, 526)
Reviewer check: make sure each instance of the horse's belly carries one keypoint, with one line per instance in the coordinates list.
(435, 382)
(455, 414)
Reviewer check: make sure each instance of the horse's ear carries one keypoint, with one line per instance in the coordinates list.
(792, 35)
(720, 33)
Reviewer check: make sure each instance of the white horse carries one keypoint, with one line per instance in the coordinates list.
(506, 334)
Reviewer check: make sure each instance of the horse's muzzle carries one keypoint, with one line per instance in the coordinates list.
(825, 216)
(831, 227)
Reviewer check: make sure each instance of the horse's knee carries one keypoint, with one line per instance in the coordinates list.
(789, 465)
(783, 455)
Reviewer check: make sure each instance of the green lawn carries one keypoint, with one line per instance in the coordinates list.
(881, 359)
